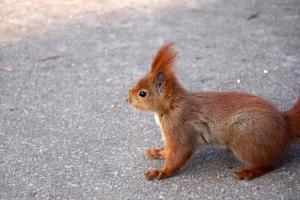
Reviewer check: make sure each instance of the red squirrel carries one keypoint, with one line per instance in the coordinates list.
(251, 127)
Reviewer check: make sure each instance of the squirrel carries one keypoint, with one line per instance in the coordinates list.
(255, 131)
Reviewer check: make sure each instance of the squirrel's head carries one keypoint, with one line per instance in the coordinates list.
(154, 90)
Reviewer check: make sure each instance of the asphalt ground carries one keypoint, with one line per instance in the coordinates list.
(65, 131)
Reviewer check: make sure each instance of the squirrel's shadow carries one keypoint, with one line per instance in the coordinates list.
(216, 160)
(292, 156)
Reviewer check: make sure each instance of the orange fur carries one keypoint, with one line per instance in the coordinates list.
(293, 118)
(256, 132)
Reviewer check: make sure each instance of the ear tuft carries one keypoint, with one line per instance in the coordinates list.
(164, 59)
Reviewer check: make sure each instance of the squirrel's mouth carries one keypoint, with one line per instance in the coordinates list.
(127, 99)
(131, 103)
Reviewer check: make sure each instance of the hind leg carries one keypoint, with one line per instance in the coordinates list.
(258, 160)
(248, 174)
(258, 140)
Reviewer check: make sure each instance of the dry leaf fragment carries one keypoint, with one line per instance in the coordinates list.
(220, 176)
(48, 58)
(7, 69)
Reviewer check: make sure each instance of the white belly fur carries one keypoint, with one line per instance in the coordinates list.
(158, 123)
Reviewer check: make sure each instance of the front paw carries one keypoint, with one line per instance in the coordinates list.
(154, 173)
(154, 153)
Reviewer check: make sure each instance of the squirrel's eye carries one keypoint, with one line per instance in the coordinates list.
(142, 93)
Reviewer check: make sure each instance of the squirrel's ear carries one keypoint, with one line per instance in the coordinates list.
(159, 82)
(164, 58)
(162, 67)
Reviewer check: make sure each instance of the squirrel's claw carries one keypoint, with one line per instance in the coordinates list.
(154, 173)
(155, 153)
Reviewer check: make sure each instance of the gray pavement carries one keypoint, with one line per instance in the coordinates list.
(65, 132)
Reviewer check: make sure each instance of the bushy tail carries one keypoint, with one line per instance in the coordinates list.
(293, 119)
